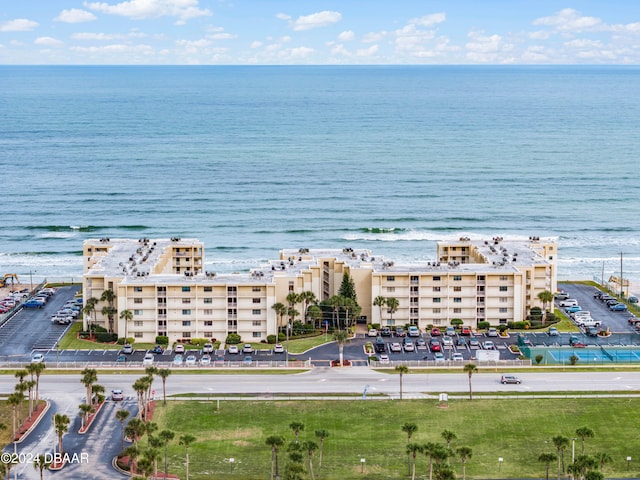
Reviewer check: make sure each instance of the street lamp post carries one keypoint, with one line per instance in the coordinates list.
(500, 460)
(628, 463)
(573, 450)
(362, 462)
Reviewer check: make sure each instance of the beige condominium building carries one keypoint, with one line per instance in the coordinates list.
(163, 283)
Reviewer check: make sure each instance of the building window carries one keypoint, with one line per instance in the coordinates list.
(256, 289)
(503, 310)
(257, 335)
(137, 300)
(137, 335)
(391, 278)
(186, 311)
(436, 310)
(436, 300)
(457, 289)
(186, 300)
(436, 289)
(414, 278)
(232, 301)
(256, 311)
(138, 323)
(256, 300)
(503, 288)
(481, 278)
(503, 278)
(391, 289)
(436, 278)
(207, 334)
(137, 312)
(208, 311)
(186, 289)
(437, 321)
(208, 300)
(504, 299)
(257, 323)
(457, 278)
(186, 323)
(457, 310)
(137, 289)
(208, 289)
(457, 300)
(162, 301)
(186, 334)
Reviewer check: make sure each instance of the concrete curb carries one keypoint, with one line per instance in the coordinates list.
(35, 423)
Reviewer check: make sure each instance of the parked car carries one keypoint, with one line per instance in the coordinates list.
(420, 342)
(465, 331)
(191, 360)
(553, 332)
(568, 302)
(492, 332)
(457, 357)
(395, 347)
(121, 359)
(385, 332)
(618, 307)
(592, 331)
(400, 332)
(409, 346)
(435, 332)
(148, 359)
(117, 395)
(247, 360)
(179, 348)
(573, 309)
(247, 348)
(207, 348)
(232, 349)
(414, 331)
(380, 345)
(438, 357)
(205, 360)
(372, 332)
(447, 341)
(178, 359)
(127, 349)
(451, 331)
(278, 348)
(434, 345)
(461, 342)
(633, 299)
(383, 358)
(489, 345)
(158, 350)
(473, 342)
(561, 295)
(37, 358)
(510, 379)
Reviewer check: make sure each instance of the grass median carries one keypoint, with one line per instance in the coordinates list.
(516, 430)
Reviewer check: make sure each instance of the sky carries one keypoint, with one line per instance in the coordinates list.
(319, 32)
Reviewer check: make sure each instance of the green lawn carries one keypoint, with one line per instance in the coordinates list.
(71, 342)
(518, 430)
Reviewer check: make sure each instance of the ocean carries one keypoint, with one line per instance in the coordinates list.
(255, 159)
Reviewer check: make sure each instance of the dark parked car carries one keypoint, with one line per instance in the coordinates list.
(157, 350)
(380, 345)
(385, 332)
(400, 332)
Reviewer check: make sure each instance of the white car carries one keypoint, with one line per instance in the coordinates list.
(232, 349)
(179, 348)
(492, 332)
(457, 357)
(373, 332)
(148, 359)
(447, 341)
(278, 348)
(37, 358)
(384, 358)
(395, 347)
(409, 346)
(207, 348)
(117, 395)
(488, 345)
(205, 360)
(191, 360)
(247, 348)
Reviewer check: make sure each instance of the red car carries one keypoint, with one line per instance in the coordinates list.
(434, 345)
(465, 331)
(435, 332)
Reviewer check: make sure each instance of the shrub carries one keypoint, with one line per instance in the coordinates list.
(199, 341)
(502, 328)
(106, 337)
(520, 325)
(162, 340)
(482, 325)
(456, 322)
(573, 359)
(129, 340)
(511, 325)
(539, 358)
(271, 339)
(233, 339)
(99, 329)
(376, 326)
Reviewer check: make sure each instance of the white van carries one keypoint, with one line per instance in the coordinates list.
(569, 302)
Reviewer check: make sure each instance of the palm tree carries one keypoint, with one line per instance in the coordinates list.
(275, 442)
(127, 316)
(465, 454)
(581, 465)
(89, 377)
(61, 426)
(186, 441)
(412, 452)
(149, 428)
(166, 436)
(593, 475)
(307, 298)
(341, 337)
(315, 313)
(163, 373)
(88, 310)
(15, 400)
(603, 458)
(310, 447)
(153, 454)
(547, 458)
(98, 393)
(401, 369)
(379, 302)
(109, 311)
(133, 452)
(30, 384)
(435, 452)
(335, 302)
(546, 297)
(41, 463)
(392, 307)
(561, 443)
(36, 369)
(470, 369)
(20, 390)
(85, 410)
(297, 427)
(281, 311)
(135, 429)
(448, 437)
(145, 467)
(140, 387)
(584, 432)
(321, 434)
(409, 428)
(121, 416)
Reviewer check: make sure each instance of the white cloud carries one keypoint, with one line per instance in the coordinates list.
(142, 9)
(48, 42)
(193, 44)
(339, 49)
(583, 43)
(75, 15)
(569, 20)
(482, 43)
(255, 44)
(368, 52)
(373, 37)
(222, 36)
(540, 35)
(117, 48)
(346, 36)
(429, 20)
(283, 16)
(18, 25)
(316, 20)
(95, 36)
